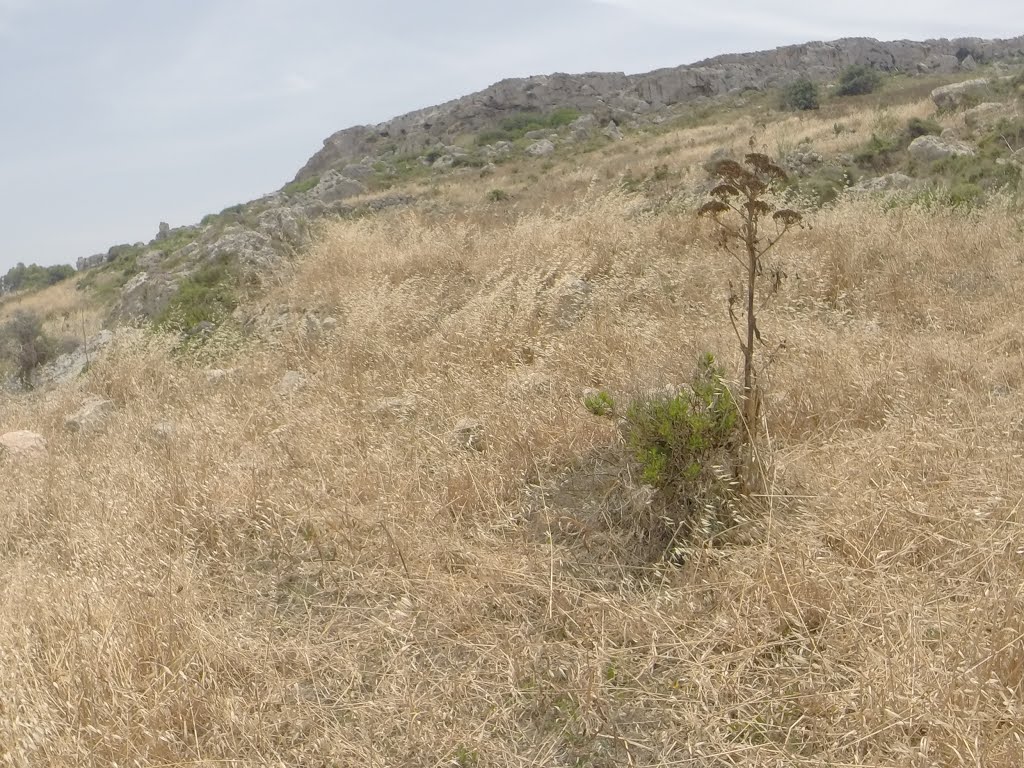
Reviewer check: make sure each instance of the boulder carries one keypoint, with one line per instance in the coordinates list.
(939, 64)
(571, 299)
(469, 434)
(541, 148)
(892, 182)
(291, 383)
(583, 127)
(986, 114)
(91, 417)
(612, 131)
(357, 171)
(23, 444)
(968, 64)
(930, 148)
(333, 187)
(71, 365)
(957, 95)
(163, 431)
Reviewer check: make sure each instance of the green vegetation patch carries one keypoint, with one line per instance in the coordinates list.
(516, 126)
(210, 294)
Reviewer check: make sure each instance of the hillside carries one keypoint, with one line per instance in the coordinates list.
(369, 516)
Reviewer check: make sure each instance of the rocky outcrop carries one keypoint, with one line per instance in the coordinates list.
(91, 417)
(618, 96)
(927, 149)
(957, 95)
(23, 444)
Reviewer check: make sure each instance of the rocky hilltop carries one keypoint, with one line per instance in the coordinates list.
(620, 97)
(545, 113)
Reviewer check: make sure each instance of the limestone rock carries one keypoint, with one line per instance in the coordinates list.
(930, 148)
(291, 383)
(892, 182)
(469, 434)
(968, 64)
(333, 186)
(91, 417)
(950, 97)
(215, 375)
(163, 431)
(986, 114)
(612, 131)
(23, 444)
(583, 127)
(541, 148)
(71, 365)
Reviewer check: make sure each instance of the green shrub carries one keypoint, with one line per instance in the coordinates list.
(498, 196)
(801, 95)
(26, 346)
(825, 184)
(33, 277)
(917, 127)
(517, 125)
(688, 446)
(858, 80)
(879, 154)
(599, 403)
(300, 185)
(208, 295)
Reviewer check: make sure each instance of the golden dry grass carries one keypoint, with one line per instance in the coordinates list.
(64, 309)
(314, 579)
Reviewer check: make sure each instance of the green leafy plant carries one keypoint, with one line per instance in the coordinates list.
(742, 212)
(599, 403)
(498, 196)
(858, 79)
(688, 445)
(917, 127)
(801, 95)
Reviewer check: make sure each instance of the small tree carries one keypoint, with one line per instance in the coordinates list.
(740, 209)
(26, 345)
(801, 95)
(858, 79)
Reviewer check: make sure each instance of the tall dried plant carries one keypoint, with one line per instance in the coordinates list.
(741, 208)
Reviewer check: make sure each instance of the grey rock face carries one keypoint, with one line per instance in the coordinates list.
(292, 382)
(71, 365)
(541, 148)
(23, 444)
(986, 114)
(949, 97)
(91, 417)
(612, 131)
(930, 148)
(614, 95)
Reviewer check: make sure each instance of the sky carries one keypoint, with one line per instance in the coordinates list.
(116, 115)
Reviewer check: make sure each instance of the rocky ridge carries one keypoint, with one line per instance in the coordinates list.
(628, 98)
(255, 236)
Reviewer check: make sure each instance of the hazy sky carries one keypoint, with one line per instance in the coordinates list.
(119, 114)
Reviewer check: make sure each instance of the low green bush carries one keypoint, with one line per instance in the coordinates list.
(689, 447)
(800, 96)
(210, 294)
(858, 79)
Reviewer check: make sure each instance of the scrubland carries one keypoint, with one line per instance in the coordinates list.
(324, 576)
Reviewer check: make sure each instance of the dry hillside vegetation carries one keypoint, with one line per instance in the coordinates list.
(324, 576)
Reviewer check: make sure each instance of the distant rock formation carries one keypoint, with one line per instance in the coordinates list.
(618, 96)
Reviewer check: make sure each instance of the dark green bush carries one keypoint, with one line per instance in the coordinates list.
(801, 95)
(879, 154)
(917, 127)
(26, 346)
(498, 196)
(858, 80)
(33, 277)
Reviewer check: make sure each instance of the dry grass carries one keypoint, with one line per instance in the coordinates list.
(64, 308)
(310, 579)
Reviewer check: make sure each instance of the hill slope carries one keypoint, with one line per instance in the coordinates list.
(383, 529)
